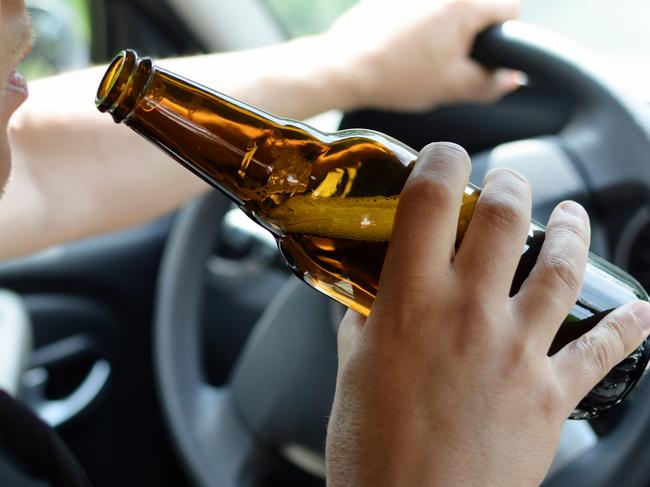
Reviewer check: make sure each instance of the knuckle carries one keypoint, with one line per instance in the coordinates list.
(508, 180)
(574, 230)
(614, 336)
(551, 401)
(626, 330)
(402, 315)
(437, 177)
(555, 269)
(500, 210)
(432, 192)
(597, 351)
(611, 341)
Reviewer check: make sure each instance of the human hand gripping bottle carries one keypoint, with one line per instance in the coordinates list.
(329, 199)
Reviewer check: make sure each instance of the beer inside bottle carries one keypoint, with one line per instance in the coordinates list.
(329, 199)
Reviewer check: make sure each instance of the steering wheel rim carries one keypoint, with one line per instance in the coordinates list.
(607, 127)
(221, 437)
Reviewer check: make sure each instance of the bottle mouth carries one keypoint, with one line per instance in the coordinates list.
(122, 83)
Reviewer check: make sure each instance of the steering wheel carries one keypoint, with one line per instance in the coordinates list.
(275, 404)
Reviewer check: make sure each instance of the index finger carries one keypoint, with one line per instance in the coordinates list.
(426, 221)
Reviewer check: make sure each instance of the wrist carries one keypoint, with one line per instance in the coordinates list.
(394, 452)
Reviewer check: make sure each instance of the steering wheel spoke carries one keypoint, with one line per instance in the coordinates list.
(285, 378)
(223, 448)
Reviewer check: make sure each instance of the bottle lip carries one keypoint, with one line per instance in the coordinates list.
(114, 80)
(117, 92)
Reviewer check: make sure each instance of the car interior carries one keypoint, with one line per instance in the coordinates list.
(183, 352)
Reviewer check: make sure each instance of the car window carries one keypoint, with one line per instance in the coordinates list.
(303, 17)
(62, 37)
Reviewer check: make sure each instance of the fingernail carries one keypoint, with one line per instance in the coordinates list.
(510, 80)
(573, 208)
(642, 312)
(519, 78)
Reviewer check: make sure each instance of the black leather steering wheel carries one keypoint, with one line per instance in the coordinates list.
(278, 397)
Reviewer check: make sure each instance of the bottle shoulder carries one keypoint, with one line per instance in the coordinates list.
(404, 151)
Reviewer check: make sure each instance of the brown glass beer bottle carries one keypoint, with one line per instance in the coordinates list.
(329, 199)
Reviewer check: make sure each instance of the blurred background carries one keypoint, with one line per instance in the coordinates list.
(63, 37)
(102, 289)
(615, 31)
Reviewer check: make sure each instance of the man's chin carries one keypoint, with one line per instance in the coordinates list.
(13, 98)
(5, 162)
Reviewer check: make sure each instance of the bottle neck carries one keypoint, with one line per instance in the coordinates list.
(288, 177)
(250, 155)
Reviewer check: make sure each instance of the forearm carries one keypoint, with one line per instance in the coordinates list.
(77, 174)
(297, 79)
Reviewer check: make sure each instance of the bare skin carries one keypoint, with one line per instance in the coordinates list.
(78, 174)
(447, 382)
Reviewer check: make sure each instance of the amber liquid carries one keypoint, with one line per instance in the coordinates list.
(329, 199)
(338, 245)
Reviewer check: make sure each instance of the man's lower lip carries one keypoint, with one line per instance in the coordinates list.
(17, 82)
